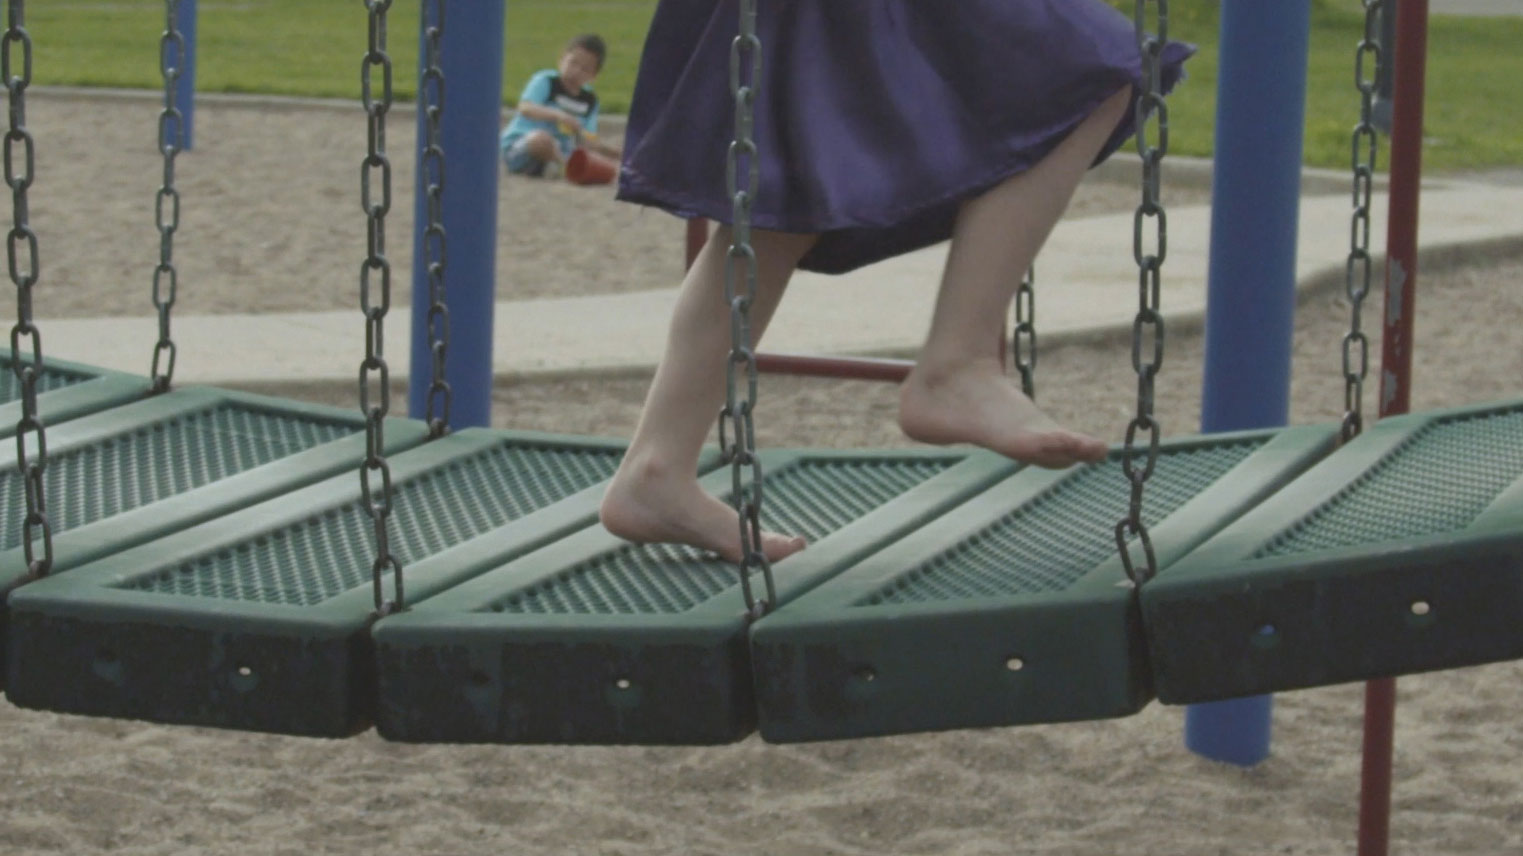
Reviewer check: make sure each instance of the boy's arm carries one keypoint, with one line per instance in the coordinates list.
(592, 141)
(546, 113)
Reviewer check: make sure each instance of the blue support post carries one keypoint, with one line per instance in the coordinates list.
(471, 57)
(185, 85)
(1251, 290)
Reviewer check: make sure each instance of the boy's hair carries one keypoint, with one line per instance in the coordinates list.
(593, 44)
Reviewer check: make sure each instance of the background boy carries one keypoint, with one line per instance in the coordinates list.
(557, 112)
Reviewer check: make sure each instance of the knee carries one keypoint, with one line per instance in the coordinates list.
(542, 146)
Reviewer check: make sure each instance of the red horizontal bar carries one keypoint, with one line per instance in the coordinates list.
(844, 368)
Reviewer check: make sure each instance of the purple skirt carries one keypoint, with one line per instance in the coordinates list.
(875, 119)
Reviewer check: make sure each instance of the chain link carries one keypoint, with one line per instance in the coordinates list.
(171, 130)
(1023, 337)
(374, 371)
(1148, 325)
(1356, 346)
(21, 252)
(431, 167)
(740, 269)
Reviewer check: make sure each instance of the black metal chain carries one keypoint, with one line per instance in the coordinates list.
(171, 128)
(431, 167)
(21, 251)
(1023, 337)
(1148, 323)
(1356, 346)
(374, 370)
(740, 268)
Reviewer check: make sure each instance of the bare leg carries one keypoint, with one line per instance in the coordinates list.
(543, 148)
(957, 392)
(655, 496)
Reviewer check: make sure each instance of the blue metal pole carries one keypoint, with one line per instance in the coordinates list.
(1251, 288)
(471, 56)
(185, 86)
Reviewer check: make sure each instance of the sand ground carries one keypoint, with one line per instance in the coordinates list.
(272, 222)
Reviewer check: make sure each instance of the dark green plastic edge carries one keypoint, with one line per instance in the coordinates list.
(1222, 625)
(149, 522)
(105, 389)
(146, 523)
(828, 669)
(81, 644)
(451, 672)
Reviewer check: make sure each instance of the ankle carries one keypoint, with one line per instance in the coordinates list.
(648, 468)
(940, 371)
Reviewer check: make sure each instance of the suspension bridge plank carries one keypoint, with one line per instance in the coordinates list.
(1014, 608)
(66, 391)
(259, 619)
(1402, 552)
(594, 640)
(125, 476)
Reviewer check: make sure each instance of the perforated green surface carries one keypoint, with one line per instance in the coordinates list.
(260, 617)
(1047, 545)
(1401, 552)
(1436, 483)
(52, 378)
(158, 460)
(65, 391)
(1013, 607)
(593, 640)
(332, 553)
(812, 499)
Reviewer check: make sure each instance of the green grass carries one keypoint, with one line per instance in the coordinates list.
(313, 47)
(1473, 67)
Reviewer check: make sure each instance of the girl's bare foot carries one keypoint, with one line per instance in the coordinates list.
(976, 404)
(648, 503)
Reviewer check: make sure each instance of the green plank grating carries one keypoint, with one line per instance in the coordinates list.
(131, 470)
(812, 499)
(52, 378)
(608, 646)
(260, 618)
(331, 553)
(1013, 608)
(1436, 483)
(1402, 552)
(66, 391)
(1049, 544)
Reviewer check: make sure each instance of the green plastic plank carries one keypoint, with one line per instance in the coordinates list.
(65, 391)
(1013, 608)
(126, 476)
(1402, 552)
(259, 619)
(594, 640)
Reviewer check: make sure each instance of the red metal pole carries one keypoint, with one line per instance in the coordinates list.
(1410, 62)
(847, 368)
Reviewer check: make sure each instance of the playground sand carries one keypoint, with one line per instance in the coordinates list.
(86, 786)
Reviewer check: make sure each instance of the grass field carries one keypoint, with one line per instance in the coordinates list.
(313, 47)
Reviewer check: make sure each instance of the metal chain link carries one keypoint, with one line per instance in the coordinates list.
(24, 273)
(171, 129)
(1023, 337)
(374, 369)
(1148, 324)
(740, 267)
(431, 167)
(1356, 346)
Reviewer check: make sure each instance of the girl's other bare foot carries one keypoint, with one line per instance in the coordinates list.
(977, 404)
(649, 503)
